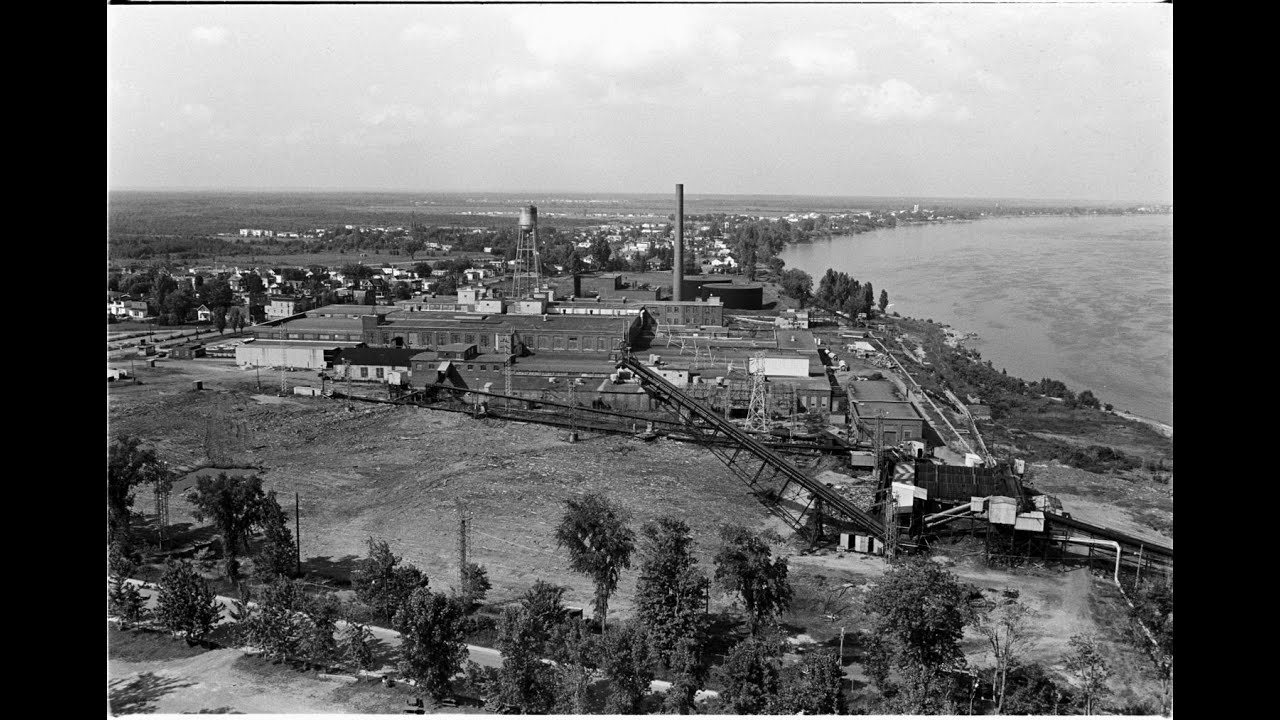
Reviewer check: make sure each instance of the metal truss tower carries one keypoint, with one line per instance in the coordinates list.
(758, 410)
(527, 274)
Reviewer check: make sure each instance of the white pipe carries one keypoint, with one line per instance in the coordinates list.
(936, 523)
(957, 509)
(1107, 543)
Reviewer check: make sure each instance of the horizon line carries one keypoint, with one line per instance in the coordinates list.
(319, 190)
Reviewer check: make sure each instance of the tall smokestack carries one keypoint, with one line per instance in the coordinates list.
(677, 270)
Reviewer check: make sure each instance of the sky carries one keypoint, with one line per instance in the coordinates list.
(1055, 101)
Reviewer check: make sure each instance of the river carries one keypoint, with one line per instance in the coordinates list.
(1087, 300)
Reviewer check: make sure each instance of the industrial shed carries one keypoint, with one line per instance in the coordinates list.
(265, 353)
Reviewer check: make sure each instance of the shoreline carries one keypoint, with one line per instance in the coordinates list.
(1164, 429)
(957, 337)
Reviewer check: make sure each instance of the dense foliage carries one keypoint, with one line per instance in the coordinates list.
(185, 605)
(594, 532)
(671, 591)
(745, 566)
(382, 583)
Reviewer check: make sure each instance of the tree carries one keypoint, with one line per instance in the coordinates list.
(381, 583)
(431, 650)
(319, 623)
(235, 319)
(1090, 670)
(685, 664)
(750, 677)
(252, 283)
(814, 686)
(422, 269)
(235, 505)
(1031, 691)
(670, 592)
(868, 299)
(919, 618)
(186, 606)
(356, 646)
(475, 584)
(797, 284)
(525, 681)
(123, 600)
(575, 652)
(627, 661)
(401, 290)
(884, 300)
(273, 626)
(128, 466)
(1006, 629)
(447, 285)
(594, 531)
(220, 319)
(278, 554)
(745, 566)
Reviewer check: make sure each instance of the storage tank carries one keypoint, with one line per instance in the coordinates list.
(738, 297)
(692, 288)
(528, 217)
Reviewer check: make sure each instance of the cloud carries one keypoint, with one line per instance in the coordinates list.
(209, 35)
(894, 99)
(196, 113)
(612, 38)
(394, 113)
(514, 81)
(819, 59)
(430, 33)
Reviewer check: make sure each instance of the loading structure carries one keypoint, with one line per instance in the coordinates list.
(1015, 522)
(806, 505)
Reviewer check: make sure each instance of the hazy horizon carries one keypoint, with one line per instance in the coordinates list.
(655, 193)
(1070, 102)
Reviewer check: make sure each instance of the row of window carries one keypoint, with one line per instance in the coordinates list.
(600, 343)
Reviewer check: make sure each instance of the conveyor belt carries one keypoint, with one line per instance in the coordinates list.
(774, 478)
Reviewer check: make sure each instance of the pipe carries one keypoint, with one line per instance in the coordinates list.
(930, 526)
(1099, 543)
(957, 509)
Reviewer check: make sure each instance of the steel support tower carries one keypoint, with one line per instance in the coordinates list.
(527, 275)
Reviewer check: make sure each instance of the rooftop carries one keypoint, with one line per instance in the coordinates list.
(897, 410)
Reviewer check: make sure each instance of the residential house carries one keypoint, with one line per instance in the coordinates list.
(204, 314)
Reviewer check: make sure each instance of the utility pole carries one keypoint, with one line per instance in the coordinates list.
(297, 533)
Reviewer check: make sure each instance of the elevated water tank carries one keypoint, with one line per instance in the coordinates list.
(528, 217)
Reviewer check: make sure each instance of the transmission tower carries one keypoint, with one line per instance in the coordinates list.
(527, 276)
(758, 410)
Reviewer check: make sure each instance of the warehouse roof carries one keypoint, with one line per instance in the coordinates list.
(393, 357)
(879, 408)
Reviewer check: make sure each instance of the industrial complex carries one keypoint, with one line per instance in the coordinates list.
(700, 360)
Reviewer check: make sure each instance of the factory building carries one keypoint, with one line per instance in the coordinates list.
(898, 420)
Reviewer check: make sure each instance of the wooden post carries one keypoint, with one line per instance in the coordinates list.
(297, 534)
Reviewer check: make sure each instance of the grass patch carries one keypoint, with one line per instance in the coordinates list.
(148, 645)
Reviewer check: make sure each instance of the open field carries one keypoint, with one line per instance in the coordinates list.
(396, 473)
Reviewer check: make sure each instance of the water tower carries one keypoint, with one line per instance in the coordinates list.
(527, 274)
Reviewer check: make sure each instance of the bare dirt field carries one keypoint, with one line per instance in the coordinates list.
(397, 473)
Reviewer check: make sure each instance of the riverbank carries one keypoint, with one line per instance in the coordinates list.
(1162, 428)
(1084, 300)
